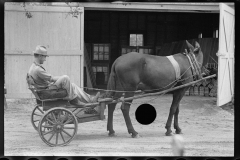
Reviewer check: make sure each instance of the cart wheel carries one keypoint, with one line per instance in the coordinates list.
(58, 127)
(36, 116)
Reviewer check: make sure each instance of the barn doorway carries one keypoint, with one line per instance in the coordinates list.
(111, 34)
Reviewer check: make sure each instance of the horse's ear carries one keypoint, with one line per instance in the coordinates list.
(197, 47)
(189, 46)
(197, 44)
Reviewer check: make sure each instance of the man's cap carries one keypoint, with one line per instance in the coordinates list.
(42, 50)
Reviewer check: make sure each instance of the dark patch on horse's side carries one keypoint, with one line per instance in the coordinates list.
(145, 114)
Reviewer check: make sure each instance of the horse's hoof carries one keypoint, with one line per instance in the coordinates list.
(135, 136)
(112, 135)
(168, 134)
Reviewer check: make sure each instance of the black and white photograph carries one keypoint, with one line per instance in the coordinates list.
(119, 79)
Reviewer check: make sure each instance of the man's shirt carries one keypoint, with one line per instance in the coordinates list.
(39, 75)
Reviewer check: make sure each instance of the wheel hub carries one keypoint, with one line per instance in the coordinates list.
(58, 128)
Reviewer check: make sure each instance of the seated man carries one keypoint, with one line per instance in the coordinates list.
(43, 79)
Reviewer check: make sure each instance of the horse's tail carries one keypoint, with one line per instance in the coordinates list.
(112, 82)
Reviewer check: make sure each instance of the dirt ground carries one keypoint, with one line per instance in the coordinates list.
(208, 130)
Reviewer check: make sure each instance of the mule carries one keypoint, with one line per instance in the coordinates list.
(152, 72)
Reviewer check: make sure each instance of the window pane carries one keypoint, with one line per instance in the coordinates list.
(146, 51)
(95, 48)
(106, 49)
(133, 40)
(100, 48)
(99, 69)
(106, 57)
(129, 50)
(95, 56)
(150, 51)
(140, 50)
(100, 56)
(140, 40)
(105, 69)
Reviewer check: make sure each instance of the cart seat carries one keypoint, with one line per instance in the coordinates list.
(44, 93)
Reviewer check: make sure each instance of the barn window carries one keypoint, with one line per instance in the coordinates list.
(136, 40)
(101, 52)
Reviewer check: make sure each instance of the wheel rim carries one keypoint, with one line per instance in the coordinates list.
(58, 127)
(36, 116)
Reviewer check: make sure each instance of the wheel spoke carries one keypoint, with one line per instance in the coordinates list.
(47, 132)
(62, 119)
(62, 137)
(47, 126)
(36, 120)
(51, 137)
(69, 127)
(57, 138)
(68, 122)
(53, 116)
(49, 120)
(59, 113)
(66, 133)
(44, 129)
(40, 110)
(37, 114)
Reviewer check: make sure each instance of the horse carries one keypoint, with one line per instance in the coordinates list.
(132, 70)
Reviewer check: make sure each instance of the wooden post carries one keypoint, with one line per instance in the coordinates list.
(102, 109)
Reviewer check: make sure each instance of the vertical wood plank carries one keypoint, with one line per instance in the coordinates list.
(35, 30)
(7, 30)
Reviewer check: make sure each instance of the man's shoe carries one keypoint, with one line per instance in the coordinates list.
(95, 99)
(76, 101)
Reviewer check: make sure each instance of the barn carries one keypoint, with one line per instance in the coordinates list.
(84, 39)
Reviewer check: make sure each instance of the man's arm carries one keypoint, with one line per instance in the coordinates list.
(54, 79)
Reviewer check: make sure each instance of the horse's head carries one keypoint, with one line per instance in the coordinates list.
(196, 51)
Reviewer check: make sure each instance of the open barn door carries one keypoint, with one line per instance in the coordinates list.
(226, 55)
(51, 26)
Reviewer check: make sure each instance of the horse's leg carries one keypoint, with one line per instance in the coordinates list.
(176, 126)
(125, 110)
(111, 108)
(174, 110)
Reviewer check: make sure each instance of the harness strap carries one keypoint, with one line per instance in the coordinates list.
(194, 66)
(175, 66)
(197, 67)
(190, 61)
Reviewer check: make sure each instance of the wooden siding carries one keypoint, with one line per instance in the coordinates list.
(61, 34)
